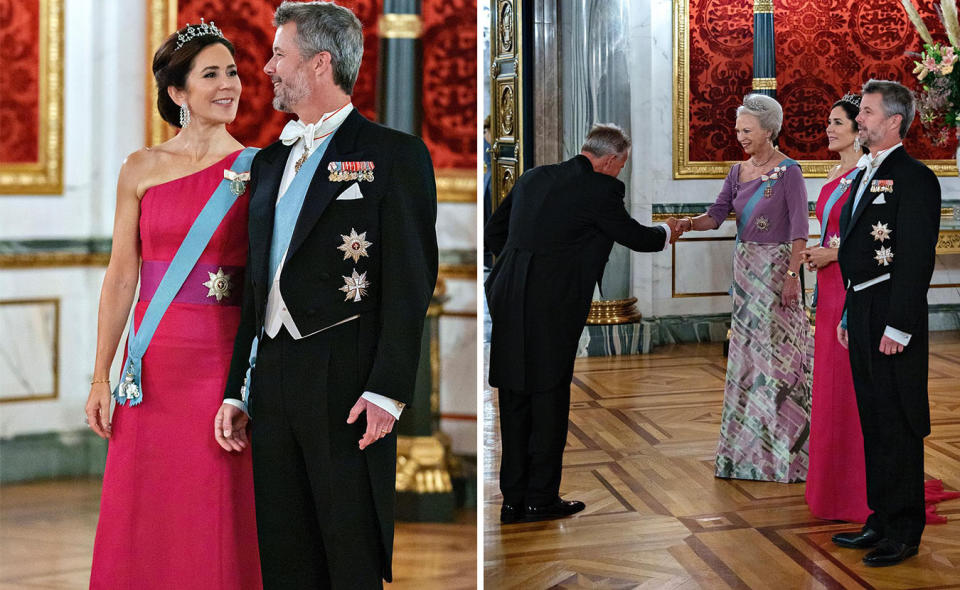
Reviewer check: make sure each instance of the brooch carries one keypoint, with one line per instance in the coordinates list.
(359, 171)
(881, 186)
(355, 286)
(762, 223)
(845, 182)
(238, 182)
(834, 241)
(880, 232)
(884, 256)
(219, 285)
(354, 246)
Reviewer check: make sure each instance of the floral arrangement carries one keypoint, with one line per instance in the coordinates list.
(938, 102)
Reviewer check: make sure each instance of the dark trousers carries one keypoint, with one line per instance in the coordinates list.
(893, 452)
(533, 432)
(316, 524)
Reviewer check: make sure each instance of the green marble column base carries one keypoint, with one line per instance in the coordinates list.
(53, 454)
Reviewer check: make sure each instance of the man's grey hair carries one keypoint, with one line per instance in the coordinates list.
(605, 139)
(325, 26)
(766, 109)
(897, 99)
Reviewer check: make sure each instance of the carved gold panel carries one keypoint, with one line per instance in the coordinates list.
(45, 175)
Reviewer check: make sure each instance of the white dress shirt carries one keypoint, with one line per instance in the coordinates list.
(308, 137)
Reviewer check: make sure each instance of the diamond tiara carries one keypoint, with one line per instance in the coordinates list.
(200, 30)
(853, 99)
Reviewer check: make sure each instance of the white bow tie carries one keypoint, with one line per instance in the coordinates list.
(865, 161)
(313, 133)
(296, 130)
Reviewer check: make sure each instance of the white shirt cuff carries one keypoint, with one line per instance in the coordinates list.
(666, 228)
(393, 407)
(237, 403)
(901, 338)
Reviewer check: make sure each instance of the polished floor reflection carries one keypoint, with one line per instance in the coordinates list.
(643, 432)
(47, 531)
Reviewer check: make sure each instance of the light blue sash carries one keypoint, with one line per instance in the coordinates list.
(752, 203)
(831, 201)
(203, 228)
(285, 220)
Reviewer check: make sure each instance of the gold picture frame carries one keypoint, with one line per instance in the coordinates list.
(54, 303)
(683, 167)
(45, 176)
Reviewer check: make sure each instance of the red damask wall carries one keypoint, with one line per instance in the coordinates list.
(449, 76)
(825, 48)
(19, 81)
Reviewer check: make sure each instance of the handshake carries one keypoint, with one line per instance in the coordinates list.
(678, 227)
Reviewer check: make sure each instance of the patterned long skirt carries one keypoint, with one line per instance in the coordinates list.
(765, 425)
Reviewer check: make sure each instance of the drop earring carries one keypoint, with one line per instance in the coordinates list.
(856, 144)
(184, 115)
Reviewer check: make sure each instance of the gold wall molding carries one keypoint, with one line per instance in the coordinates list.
(683, 167)
(45, 176)
(763, 6)
(55, 302)
(53, 259)
(400, 26)
(422, 464)
(506, 101)
(456, 185)
(458, 271)
(161, 22)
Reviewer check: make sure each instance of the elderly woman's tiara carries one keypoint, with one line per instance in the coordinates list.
(192, 32)
(853, 99)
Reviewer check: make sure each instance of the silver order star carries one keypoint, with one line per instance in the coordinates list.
(884, 256)
(880, 232)
(355, 286)
(219, 285)
(763, 224)
(354, 246)
(834, 241)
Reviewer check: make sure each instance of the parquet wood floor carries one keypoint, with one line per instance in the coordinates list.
(643, 432)
(47, 531)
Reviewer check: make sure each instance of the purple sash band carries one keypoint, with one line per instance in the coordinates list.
(228, 284)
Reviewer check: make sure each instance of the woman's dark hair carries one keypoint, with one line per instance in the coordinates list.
(171, 66)
(852, 110)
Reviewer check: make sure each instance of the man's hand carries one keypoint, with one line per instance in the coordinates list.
(842, 336)
(379, 421)
(230, 428)
(674, 229)
(890, 346)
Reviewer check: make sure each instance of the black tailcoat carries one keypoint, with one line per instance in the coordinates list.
(891, 389)
(398, 214)
(552, 234)
(912, 214)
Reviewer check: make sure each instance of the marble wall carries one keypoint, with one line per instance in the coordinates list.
(682, 281)
(103, 122)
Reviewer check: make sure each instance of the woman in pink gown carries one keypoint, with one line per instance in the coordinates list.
(176, 510)
(836, 477)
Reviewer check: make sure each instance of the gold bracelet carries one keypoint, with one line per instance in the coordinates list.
(95, 381)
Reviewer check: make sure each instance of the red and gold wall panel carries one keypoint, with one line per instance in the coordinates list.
(824, 49)
(449, 38)
(31, 81)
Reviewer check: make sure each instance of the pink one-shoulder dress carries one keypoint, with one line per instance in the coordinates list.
(177, 511)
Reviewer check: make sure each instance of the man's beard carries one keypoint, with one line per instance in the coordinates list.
(287, 95)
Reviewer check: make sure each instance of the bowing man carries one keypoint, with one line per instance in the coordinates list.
(552, 235)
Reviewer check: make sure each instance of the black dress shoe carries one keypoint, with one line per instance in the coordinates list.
(889, 553)
(865, 539)
(558, 509)
(510, 514)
